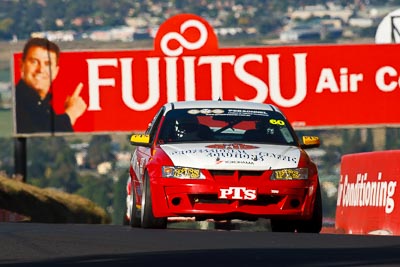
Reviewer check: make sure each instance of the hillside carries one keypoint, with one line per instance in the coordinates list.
(48, 205)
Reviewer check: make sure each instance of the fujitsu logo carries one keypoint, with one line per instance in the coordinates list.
(183, 42)
(238, 193)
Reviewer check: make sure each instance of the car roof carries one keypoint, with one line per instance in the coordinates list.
(220, 104)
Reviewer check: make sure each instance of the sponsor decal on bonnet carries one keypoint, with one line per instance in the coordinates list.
(232, 156)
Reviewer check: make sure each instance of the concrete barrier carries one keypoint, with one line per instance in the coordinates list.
(367, 200)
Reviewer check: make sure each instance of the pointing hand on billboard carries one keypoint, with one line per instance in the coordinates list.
(75, 106)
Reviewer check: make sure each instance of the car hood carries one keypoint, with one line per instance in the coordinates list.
(237, 156)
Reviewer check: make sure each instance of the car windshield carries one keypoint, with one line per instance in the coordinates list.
(226, 125)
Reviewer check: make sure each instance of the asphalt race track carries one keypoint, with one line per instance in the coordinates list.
(31, 244)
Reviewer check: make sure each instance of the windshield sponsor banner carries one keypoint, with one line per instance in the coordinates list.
(368, 200)
(124, 89)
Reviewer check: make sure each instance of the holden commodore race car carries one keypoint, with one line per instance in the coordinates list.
(223, 160)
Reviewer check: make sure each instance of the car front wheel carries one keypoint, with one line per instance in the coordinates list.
(135, 212)
(313, 225)
(147, 218)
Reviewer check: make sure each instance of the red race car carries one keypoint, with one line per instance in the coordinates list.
(223, 160)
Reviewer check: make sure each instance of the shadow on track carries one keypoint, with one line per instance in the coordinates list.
(382, 256)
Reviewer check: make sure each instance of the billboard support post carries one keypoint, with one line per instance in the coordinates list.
(20, 158)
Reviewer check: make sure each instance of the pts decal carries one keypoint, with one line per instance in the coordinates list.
(238, 193)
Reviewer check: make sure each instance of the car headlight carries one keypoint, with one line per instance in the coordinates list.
(290, 174)
(181, 172)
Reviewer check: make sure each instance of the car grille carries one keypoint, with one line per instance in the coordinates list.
(222, 173)
(237, 175)
(237, 178)
(262, 200)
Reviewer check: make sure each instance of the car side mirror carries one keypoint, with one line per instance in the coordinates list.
(310, 142)
(140, 139)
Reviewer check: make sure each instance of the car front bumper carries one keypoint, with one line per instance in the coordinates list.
(275, 199)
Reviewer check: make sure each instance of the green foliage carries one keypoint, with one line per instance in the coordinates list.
(355, 142)
(392, 138)
(97, 188)
(267, 25)
(6, 156)
(369, 143)
(52, 160)
(328, 205)
(5, 123)
(5, 27)
(370, 31)
(119, 198)
(24, 15)
(100, 150)
(331, 159)
(346, 137)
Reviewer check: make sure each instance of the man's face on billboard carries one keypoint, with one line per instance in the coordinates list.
(39, 69)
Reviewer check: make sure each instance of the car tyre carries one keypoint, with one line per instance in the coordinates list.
(134, 220)
(147, 218)
(314, 225)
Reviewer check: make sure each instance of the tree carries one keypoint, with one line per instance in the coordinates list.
(25, 15)
(369, 143)
(64, 174)
(392, 138)
(6, 156)
(331, 159)
(5, 28)
(119, 199)
(268, 25)
(96, 188)
(346, 141)
(99, 150)
(51, 162)
(52, 11)
(328, 204)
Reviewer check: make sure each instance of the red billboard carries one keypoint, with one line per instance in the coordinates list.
(317, 86)
(368, 200)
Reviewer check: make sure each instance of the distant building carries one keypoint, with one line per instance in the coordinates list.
(142, 33)
(121, 33)
(300, 34)
(65, 36)
(321, 11)
(5, 95)
(310, 32)
(361, 22)
(104, 167)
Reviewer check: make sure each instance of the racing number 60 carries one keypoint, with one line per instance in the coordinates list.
(276, 122)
